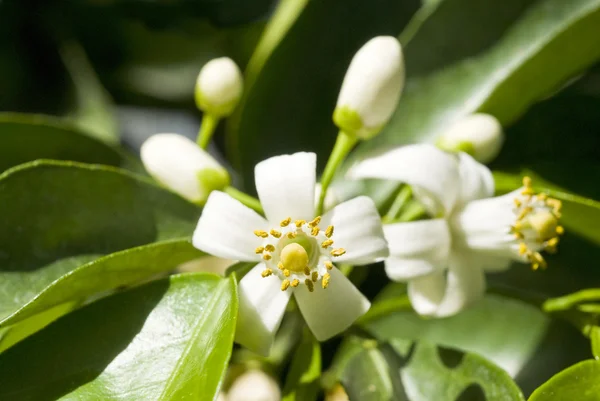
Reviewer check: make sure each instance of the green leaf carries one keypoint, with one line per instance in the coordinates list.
(28, 137)
(167, 340)
(29, 293)
(580, 382)
(550, 41)
(302, 382)
(296, 72)
(509, 337)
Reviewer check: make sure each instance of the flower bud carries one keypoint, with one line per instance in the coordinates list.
(254, 385)
(180, 165)
(371, 88)
(219, 87)
(479, 135)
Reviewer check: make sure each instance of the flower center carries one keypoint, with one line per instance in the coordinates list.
(536, 226)
(298, 252)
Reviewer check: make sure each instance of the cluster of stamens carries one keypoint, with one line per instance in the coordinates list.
(284, 252)
(537, 220)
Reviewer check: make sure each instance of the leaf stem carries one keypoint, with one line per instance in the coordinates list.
(246, 199)
(402, 196)
(343, 145)
(207, 129)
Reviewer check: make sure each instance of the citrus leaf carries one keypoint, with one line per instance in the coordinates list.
(579, 382)
(302, 382)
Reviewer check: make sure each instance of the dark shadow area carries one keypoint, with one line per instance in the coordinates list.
(77, 348)
(451, 358)
(473, 392)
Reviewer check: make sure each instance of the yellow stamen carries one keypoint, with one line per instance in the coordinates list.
(269, 248)
(327, 243)
(315, 231)
(325, 281)
(315, 276)
(522, 248)
(307, 271)
(267, 256)
(329, 232)
(280, 266)
(300, 223)
(266, 273)
(315, 222)
(291, 235)
(259, 249)
(286, 272)
(285, 222)
(285, 284)
(560, 230)
(527, 182)
(295, 282)
(309, 285)
(328, 265)
(551, 244)
(294, 257)
(275, 233)
(261, 233)
(517, 202)
(338, 252)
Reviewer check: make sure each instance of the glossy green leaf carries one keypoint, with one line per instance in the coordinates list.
(28, 137)
(509, 337)
(302, 382)
(296, 73)
(39, 290)
(167, 340)
(549, 42)
(580, 382)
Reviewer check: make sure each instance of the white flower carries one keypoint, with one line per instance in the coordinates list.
(444, 258)
(181, 165)
(480, 135)
(254, 385)
(371, 88)
(219, 87)
(294, 250)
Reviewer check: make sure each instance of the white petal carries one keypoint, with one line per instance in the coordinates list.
(261, 308)
(433, 173)
(416, 248)
(220, 82)
(476, 180)
(441, 296)
(177, 162)
(332, 310)
(226, 229)
(357, 229)
(286, 186)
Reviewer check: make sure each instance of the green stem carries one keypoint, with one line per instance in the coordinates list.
(207, 129)
(246, 199)
(343, 145)
(403, 195)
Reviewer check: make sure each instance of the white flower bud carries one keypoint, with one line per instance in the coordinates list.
(182, 166)
(207, 264)
(254, 385)
(479, 135)
(219, 87)
(371, 88)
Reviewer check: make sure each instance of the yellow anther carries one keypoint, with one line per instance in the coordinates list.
(517, 202)
(275, 233)
(325, 281)
(315, 231)
(527, 191)
(328, 264)
(551, 244)
(261, 233)
(267, 256)
(299, 223)
(560, 230)
(519, 235)
(518, 226)
(338, 252)
(526, 182)
(259, 249)
(291, 235)
(280, 266)
(542, 196)
(315, 222)
(266, 273)
(286, 272)
(329, 232)
(524, 212)
(295, 283)
(285, 284)
(309, 285)
(522, 248)
(269, 248)
(294, 257)
(327, 243)
(315, 276)
(285, 222)
(538, 261)
(307, 271)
